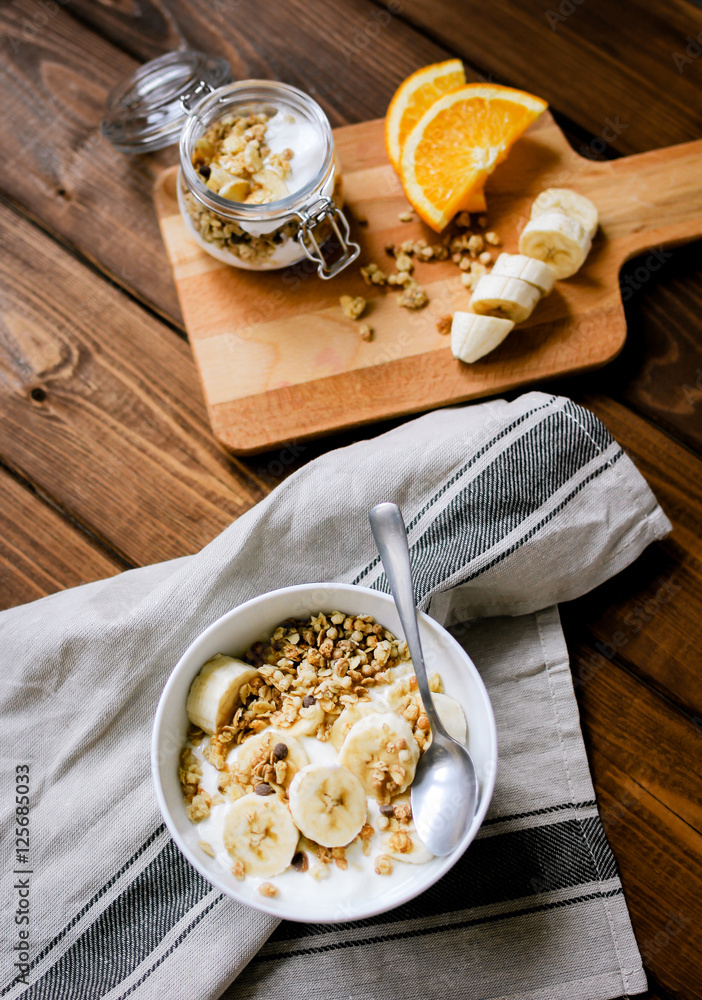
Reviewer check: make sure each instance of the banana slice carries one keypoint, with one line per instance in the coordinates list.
(328, 804)
(260, 834)
(218, 179)
(401, 695)
(236, 190)
(268, 186)
(558, 240)
(351, 715)
(382, 752)
(311, 718)
(474, 336)
(403, 843)
(215, 692)
(452, 716)
(509, 298)
(275, 747)
(516, 265)
(577, 206)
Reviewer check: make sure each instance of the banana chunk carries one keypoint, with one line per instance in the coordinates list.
(273, 748)
(351, 715)
(569, 202)
(558, 240)
(260, 834)
(328, 804)
(516, 265)
(268, 186)
(403, 698)
(215, 692)
(508, 298)
(311, 718)
(383, 754)
(474, 336)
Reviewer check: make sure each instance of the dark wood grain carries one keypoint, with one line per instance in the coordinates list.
(40, 550)
(650, 616)
(100, 407)
(647, 767)
(609, 66)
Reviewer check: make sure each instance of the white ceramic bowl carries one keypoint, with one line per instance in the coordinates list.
(348, 895)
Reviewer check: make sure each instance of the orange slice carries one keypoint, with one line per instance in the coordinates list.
(457, 143)
(412, 98)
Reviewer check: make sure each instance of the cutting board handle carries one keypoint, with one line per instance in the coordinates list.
(655, 198)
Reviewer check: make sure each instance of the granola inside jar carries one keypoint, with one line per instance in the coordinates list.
(259, 186)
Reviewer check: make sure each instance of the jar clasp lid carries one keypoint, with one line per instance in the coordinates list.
(326, 210)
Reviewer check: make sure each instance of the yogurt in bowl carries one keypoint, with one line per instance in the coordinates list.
(384, 864)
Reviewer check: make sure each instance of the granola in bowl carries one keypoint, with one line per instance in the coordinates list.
(303, 751)
(333, 865)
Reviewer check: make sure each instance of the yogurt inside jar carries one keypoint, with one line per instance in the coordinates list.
(260, 187)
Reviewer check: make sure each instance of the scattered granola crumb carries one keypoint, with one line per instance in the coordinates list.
(239, 871)
(413, 297)
(199, 808)
(465, 263)
(403, 262)
(365, 332)
(406, 216)
(443, 325)
(485, 258)
(382, 822)
(463, 220)
(440, 251)
(352, 306)
(493, 239)
(475, 245)
(383, 865)
(207, 848)
(267, 889)
(372, 275)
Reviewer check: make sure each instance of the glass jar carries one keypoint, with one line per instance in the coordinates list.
(187, 94)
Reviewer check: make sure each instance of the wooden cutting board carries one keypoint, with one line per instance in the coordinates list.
(280, 363)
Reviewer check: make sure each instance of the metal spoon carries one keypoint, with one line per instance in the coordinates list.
(444, 793)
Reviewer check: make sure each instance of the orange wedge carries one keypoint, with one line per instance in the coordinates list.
(412, 98)
(457, 143)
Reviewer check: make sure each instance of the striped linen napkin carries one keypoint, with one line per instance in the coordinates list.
(511, 508)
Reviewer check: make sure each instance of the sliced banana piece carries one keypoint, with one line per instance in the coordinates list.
(516, 265)
(259, 833)
(311, 718)
(268, 186)
(215, 692)
(328, 804)
(351, 715)
(382, 752)
(474, 336)
(558, 240)
(565, 200)
(236, 190)
(401, 694)
(403, 843)
(452, 716)
(277, 744)
(508, 298)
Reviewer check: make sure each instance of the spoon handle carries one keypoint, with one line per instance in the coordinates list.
(390, 536)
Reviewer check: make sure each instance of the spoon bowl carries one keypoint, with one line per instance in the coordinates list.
(444, 792)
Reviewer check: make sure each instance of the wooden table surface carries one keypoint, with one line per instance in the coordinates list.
(107, 460)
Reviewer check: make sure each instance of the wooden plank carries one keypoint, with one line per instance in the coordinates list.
(640, 93)
(646, 760)
(60, 169)
(650, 616)
(279, 359)
(100, 408)
(40, 550)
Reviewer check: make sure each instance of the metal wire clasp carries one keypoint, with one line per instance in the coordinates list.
(201, 88)
(326, 210)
